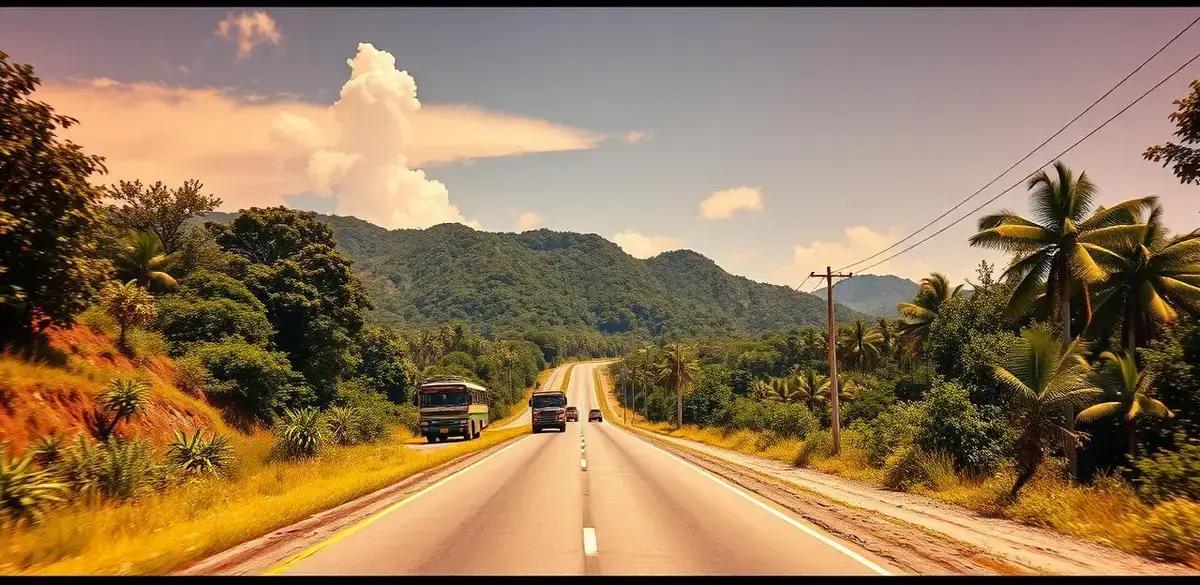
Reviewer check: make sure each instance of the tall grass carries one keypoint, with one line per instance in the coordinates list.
(157, 533)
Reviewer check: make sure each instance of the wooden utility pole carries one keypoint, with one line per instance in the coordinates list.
(835, 414)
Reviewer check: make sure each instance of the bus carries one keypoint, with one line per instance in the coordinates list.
(452, 407)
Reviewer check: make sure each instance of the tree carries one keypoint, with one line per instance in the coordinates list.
(129, 305)
(159, 210)
(813, 387)
(1149, 283)
(934, 291)
(1065, 245)
(886, 339)
(144, 261)
(50, 223)
(385, 363)
(1185, 160)
(271, 234)
(122, 399)
(678, 370)
(1046, 380)
(1132, 390)
(859, 346)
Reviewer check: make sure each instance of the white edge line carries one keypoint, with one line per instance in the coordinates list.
(589, 541)
(815, 534)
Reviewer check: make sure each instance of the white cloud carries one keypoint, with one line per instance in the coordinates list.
(528, 220)
(364, 149)
(636, 136)
(859, 242)
(723, 204)
(248, 30)
(643, 246)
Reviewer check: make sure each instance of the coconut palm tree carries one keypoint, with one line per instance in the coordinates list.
(1148, 284)
(761, 391)
(144, 260)
(860, 345)
(1132, 389)
(814, 388)
(919, 314)
(1047, 379)
(1067, 244)
(887, 340)
(678, 370)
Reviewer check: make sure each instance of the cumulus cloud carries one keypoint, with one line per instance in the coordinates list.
(248, 30)
(636, 136)
(528, 220)
(643, 246)
(255, 152)
(858, 243)
(723, 204)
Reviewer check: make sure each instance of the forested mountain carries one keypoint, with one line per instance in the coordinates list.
(873, 294)
(510, 282)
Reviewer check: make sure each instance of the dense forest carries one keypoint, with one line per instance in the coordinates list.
(503, 283)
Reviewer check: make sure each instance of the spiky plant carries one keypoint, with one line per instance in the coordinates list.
(1131, 388)
(301, 432)
(47, 450)
(25, 492)
(199, 456)
(121, 400)
(342, 425)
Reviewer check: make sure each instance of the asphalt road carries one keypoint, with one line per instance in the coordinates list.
(594, 500)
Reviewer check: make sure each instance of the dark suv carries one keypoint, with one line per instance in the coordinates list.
(595, 416)
(572, 414)
(548, 409)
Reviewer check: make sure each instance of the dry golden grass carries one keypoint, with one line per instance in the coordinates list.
(159, 533)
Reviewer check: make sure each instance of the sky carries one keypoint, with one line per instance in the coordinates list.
(775, 141)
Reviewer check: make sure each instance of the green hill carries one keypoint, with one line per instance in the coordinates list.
(510, 282)
(876, 295)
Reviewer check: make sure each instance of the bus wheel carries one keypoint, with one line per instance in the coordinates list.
(431, 438)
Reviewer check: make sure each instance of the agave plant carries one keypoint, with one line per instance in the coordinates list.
(342, 425)
(199, 456)
(121, 400)
(26, 493)
(301, 432)
(47, 450)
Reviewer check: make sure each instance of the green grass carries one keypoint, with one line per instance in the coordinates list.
(159, 533)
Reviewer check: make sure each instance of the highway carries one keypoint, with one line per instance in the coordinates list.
(595, 500)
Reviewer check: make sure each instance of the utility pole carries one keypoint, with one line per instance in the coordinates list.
(835, 416)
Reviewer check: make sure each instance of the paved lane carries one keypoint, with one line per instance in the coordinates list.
(531, 509)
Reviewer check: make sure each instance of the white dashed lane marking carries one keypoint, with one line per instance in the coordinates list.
(589, 541)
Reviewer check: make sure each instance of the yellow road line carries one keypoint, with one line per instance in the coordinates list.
(345, 532)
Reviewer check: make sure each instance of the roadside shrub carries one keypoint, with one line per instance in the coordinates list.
(745, 413)
(25, 492)
(301, 432)
(117, 469)
(1172, 531)
(818, 444)
(197, 456)
(191, 376)
(97, 320)
(952, 424)
(252, 377)
(910, 467)
(145, 343)
(789, 420)
(705, 403)
(871, 397)
(894, 428)
(409, 417)
(353, 425)
(1171, 474)
(121, 400)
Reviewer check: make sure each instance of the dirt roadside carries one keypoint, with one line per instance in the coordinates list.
(921, 534)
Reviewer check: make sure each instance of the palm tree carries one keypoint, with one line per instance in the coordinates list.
(1133, 397)
(129, 305)
(919, 314)
(1046, 379)
(1064, 246)
(760, 391)
(814, 388)
(144, 260)
(786, 390)
(860, 346)
(1148, 284)
(678, 369)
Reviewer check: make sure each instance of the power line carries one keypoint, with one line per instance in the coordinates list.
(1043, 165)
(1030, 153)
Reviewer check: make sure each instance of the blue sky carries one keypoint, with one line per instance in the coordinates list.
(868, 120)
